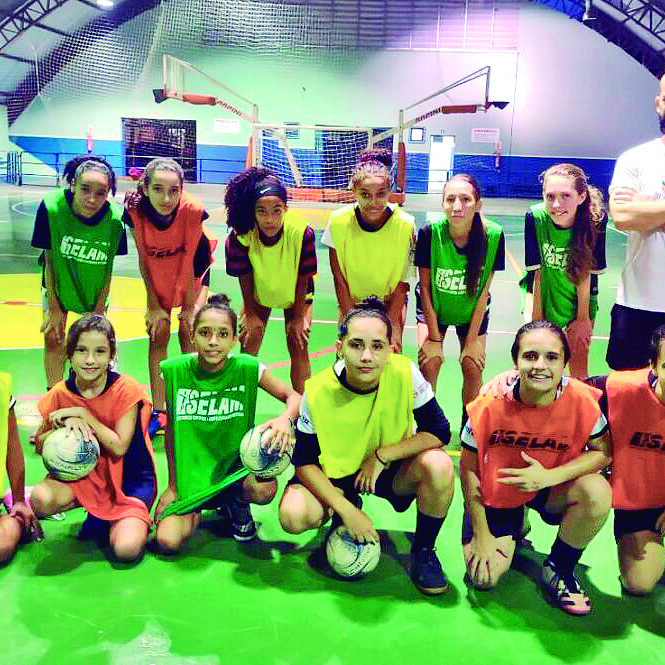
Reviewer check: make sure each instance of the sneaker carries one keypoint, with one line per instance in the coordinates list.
(427, 573)
(157, 423)
(566, 593)
(243, 527)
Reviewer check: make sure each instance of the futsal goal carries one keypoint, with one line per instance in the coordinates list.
(315, 162)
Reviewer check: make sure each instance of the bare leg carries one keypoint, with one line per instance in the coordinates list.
(430, 476)
(10, 534)
(300, 365)
(430, 369)
(157, 350)
(128, 537)
(585, 504)
(250, 342)
(472, 376)
(174, 531)
(641, 561)
(52, 496)
(54, 360)
(499, 562)
(300, 510)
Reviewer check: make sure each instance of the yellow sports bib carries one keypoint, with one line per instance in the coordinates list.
(351, 425)
(372, 262)
(275, 268)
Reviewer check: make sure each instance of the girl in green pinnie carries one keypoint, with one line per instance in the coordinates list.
(565, 248)
(456, 259)
(80, 232)
(211, 403)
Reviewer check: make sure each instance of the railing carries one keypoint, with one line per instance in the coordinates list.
(45, 168)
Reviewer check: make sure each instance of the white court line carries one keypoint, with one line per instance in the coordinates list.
(613, 228)
(22, 203)
(276, 318)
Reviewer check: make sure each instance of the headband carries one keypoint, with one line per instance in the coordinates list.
(270, 189)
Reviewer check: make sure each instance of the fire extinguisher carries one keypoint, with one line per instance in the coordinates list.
(497, 154)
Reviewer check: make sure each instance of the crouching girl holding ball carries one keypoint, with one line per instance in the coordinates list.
(371, 425)
(118, 493)
(211, 402)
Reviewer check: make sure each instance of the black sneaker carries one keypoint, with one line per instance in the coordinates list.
(427, 573)
(243, 527)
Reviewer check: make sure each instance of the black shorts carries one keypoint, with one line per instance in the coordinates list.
(203, 260)
(384, 488)
(630, 337)
(508, 521)
(462, 329)
(632, 521)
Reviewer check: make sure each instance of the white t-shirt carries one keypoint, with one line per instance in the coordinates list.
(643, 273)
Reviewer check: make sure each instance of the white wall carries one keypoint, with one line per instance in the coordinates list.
(572, 93)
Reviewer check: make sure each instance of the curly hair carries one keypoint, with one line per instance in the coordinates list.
(241, 195)
(373, 162)
(78, 165)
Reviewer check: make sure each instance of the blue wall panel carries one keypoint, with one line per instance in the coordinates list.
(515, 178)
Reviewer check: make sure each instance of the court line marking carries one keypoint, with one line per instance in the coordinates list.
(613, 228)
(513, 262)
(22, 203)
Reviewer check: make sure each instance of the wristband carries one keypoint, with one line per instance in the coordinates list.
(376, 453)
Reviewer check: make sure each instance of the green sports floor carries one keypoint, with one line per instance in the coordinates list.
(273, 602)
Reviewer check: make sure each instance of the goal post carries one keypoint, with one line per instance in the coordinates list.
(314, 161)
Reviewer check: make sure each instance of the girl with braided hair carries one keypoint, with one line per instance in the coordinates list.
(80, 232)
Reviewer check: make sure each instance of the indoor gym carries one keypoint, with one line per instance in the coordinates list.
(274, 600)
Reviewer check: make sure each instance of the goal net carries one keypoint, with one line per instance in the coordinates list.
(314, 162)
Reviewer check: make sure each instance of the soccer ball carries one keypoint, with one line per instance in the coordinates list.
(349, 558)
(257, 459)
(67, 456)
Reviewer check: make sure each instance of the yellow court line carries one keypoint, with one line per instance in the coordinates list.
(513, 262)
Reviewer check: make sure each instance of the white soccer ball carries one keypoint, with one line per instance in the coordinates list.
(257, 459)
(67, 456)
(349, 558)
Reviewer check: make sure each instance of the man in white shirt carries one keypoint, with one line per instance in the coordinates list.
(637, 206)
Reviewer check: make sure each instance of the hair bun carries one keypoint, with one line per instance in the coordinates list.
(372, 303)
(219, 299)
(381, 155)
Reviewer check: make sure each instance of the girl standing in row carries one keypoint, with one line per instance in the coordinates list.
(564, 247)
(80, 232)
(175, 253)
(457, 258)
(370, 243)
(272, 252)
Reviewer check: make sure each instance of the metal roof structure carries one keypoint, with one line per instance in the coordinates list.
(36, 35)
